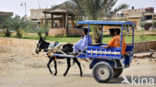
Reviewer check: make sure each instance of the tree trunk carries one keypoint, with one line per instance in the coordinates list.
(7, 32)
(19, 33)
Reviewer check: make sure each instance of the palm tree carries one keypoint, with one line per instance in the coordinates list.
(92, 10)
(15, 24)
(97, 9)
(19, 25)
(71, 6)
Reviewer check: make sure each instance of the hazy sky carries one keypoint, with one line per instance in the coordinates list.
(15, 5)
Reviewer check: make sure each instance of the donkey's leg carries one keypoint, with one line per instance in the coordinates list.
(68, 66)
(48, 65)
(55, 65)
(79, 65)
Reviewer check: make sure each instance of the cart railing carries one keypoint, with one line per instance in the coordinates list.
(110, 53)
(130, 52)
(103, 53)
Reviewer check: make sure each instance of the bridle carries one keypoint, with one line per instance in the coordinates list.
(38, 45)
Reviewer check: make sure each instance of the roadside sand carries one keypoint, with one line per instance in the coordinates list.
(21, 67)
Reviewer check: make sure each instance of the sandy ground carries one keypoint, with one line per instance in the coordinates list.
(21, 67)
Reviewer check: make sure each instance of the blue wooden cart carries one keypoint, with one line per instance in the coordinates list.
(107, 63)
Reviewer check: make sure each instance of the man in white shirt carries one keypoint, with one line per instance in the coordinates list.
(83, 43)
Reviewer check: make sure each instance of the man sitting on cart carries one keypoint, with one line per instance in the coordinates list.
(83, 43)
(112, 30)
(115, 41)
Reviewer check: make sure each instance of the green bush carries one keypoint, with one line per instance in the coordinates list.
(142, 36)
(42, 31)
(5, 25)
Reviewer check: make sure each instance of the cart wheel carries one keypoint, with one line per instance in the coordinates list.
(117, 72)
(103, 72)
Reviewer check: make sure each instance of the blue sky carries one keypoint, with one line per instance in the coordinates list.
(15, 5)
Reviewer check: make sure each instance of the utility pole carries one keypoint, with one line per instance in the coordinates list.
(25, 11)
(39, 4)
(25, 5)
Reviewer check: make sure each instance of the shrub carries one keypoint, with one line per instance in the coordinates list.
(42, 31)
(142, 36)
(5, 25)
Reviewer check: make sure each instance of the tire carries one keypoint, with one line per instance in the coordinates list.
(103, 72)
(117, 72)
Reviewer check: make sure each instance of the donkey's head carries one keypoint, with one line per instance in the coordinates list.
(41, 45)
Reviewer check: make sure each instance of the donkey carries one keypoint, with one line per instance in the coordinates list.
(67, 48)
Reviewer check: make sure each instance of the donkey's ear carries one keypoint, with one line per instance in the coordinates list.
(44, 37)
(40, 39)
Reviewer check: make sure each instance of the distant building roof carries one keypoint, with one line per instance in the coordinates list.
(133, 12)
(7, 14)
(150, 9)
(36, 14)
(59, 9)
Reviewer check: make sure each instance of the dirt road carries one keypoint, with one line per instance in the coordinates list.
(21, 67)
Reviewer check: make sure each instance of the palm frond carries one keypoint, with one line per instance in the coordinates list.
(119, 8)
(92, 9)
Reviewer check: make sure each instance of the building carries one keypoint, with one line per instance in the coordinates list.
(146, 15)
(6, 14)
(60, 22)
(36, 15)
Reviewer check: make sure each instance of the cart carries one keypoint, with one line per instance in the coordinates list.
(107, 63)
